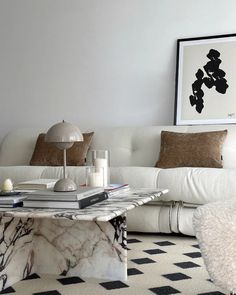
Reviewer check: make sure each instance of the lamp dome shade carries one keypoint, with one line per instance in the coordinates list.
(64, 132)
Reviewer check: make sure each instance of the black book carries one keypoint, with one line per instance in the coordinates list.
(66, 204)
(93, 199)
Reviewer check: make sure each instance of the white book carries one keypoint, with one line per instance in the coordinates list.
(9, 200)
(115, 187)
(35, 184)
(119, 191)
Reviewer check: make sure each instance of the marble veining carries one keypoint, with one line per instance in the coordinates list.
(16, 250)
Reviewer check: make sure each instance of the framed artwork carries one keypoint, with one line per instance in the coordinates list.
(206, 80)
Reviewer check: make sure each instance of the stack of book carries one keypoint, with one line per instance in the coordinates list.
(115, 189)
(83, 197)
(35, 184)
(11, 199)
(38, 193)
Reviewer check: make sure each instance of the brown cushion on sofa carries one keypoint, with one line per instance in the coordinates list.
(47, 154)
(191, 149)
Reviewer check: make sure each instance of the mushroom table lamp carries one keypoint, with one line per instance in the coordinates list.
(63, 135)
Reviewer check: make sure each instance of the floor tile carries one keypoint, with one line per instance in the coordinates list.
(143, 260)
(134, 271)
(114, 285)
(8, 290)
(164, 243)
(32, 277)
(187, 264)
(193, 254)
(165, 290)
(176, 276)
(70, 280)
(53, 292)
(154, 251)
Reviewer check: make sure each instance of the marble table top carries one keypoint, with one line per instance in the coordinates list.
(103, 211)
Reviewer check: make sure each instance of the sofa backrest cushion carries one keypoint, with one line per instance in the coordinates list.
(140, 146)
(128, 146)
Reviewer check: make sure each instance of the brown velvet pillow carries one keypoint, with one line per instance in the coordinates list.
(191, 149)
(47, 154)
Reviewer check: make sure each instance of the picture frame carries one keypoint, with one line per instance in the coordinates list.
(205, 91)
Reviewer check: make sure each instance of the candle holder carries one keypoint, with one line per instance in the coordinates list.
(94, 176)
(101, 159)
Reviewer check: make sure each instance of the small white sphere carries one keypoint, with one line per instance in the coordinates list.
(7, 185)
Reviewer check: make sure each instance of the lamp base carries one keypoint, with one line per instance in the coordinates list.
(65, 185)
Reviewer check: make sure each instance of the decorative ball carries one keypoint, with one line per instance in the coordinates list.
(7, 185)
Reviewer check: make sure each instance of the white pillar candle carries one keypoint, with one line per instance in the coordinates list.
(95, 179)
(7, 185)
(102, 163)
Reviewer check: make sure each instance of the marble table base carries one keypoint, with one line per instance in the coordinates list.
(90, 242)
(63, 247)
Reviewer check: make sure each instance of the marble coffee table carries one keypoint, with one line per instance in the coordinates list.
(88, 243)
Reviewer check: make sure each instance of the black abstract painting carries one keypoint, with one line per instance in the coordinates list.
(211, 76)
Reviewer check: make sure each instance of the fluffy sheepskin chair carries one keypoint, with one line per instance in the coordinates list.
(215, 228)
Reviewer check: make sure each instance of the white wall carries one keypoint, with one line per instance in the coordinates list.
(97, 62)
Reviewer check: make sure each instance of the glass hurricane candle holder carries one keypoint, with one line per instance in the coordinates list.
(94, 176)
(101, 159)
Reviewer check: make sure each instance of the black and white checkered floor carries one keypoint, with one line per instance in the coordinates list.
(157, 264)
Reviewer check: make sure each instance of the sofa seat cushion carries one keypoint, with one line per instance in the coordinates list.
(198, 185)
(23, 173)
(137, 177)
(190, 185)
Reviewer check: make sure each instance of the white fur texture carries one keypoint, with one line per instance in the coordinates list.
(215, 227)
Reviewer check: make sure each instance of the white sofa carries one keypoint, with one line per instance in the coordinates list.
(134, 152)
